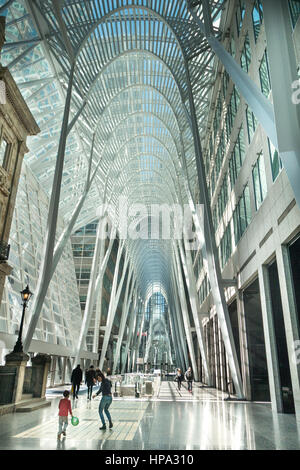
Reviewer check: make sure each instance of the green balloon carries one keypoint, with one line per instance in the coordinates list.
(74, 421)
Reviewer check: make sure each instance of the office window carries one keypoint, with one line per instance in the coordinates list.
(215, 218)
(264, 75)
(222, 199)
(235, 100)
(204, 289)
(220, 154)
(257, 18)
(213, 182)
(295, 11)
(232, 47)
(225, 83)
(218, 115)
(251, 123)
(231, 112)
(276, 163)
(237, 158)
(246, 55)
(211, 148)
(259, 181)
(4, 153)
(225, 248)
(239, 15)
(242, 215)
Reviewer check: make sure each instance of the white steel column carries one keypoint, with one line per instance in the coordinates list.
(99, 285)
(178, 351)
(290, 316)
(149, 339)
(179, 330)
(194, 300)
(114, 300)
(179, 325)
(260, 105)
(134, 339)
(131, 328)
(47, 256)
(90, 301)
(270, 339)
(43, 285)
(126, 304)
(213, 266)
(185, 314)
(140, 335)
(243, 344)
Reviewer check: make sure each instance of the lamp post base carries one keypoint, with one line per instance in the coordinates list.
(18, 347)
(16, 357)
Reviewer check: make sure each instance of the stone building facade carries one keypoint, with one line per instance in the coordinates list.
(16, 124)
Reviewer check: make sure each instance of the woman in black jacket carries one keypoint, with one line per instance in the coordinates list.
(179, 378)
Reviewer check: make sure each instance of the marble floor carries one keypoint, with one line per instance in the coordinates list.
(174, 420)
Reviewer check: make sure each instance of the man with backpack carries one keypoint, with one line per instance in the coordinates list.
(90, 381)
(76, 379)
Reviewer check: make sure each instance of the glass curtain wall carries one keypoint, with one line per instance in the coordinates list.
(60, 318)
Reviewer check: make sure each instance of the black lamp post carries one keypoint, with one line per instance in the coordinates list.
(26, 295)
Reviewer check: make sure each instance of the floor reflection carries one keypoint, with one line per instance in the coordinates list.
(173, 421)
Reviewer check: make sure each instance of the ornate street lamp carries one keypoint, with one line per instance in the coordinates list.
(26, 296)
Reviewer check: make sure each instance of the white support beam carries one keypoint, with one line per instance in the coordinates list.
(186, 260)
(47, 256)
(114, 300)
(283, 74)
(90, 301)
(210, 252)
(124, 316)
(185, 313)
(131, 330)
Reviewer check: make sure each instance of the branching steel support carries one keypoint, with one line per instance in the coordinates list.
(114, 300)
(185, 313)
(284, 76)
(125, 310)
(186, 260)
(260, 105)
(131, 328)
(90, 301)
(214, 271)
(47, 257)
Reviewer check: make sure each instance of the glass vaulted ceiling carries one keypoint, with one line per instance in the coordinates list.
(130, 70)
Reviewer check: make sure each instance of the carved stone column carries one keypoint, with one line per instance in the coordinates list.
(18, 360)
(40, 368)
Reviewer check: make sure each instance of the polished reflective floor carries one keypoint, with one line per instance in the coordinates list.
(176, 420)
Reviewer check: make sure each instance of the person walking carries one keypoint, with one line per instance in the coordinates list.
(189, 377)
(179, 378)
(64, 408)
(90, 381)
(76, 379)
(106, 400)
